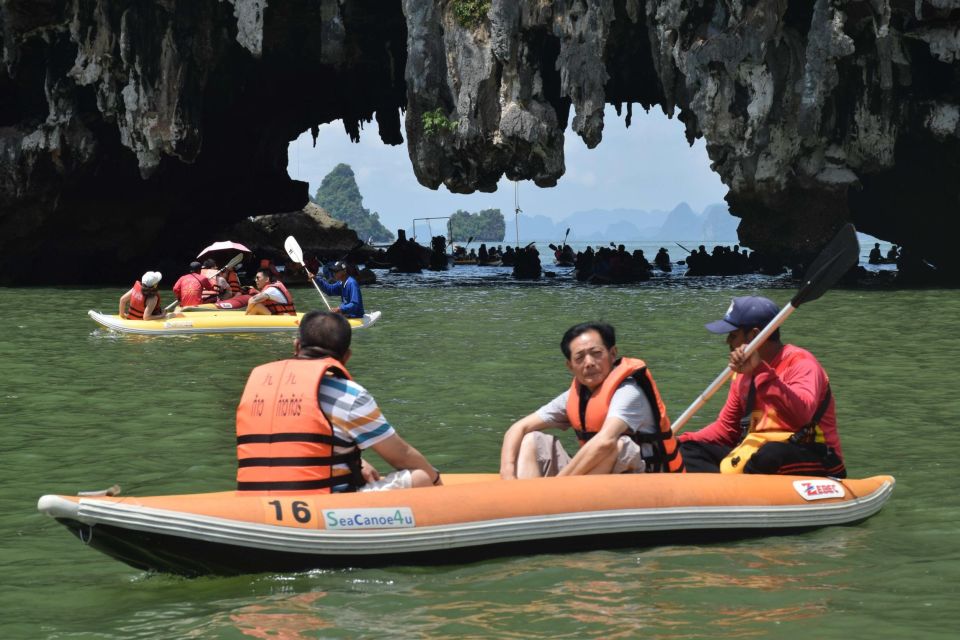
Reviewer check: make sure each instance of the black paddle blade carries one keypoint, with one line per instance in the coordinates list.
(835, 260)
(553, 246)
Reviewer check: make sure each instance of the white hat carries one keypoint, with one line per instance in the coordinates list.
(151, 279)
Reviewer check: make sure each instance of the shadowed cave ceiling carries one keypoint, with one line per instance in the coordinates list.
(128, 128)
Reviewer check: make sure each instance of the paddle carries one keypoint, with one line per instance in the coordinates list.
(565, 236)
(835, 260)
(296, 254)
(234, 261)
(682, 247)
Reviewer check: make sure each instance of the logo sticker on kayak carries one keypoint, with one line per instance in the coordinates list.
(818, 489)
(178, 324)
(390, 518)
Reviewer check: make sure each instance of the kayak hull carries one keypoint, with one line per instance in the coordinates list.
(472, 517)
(199, 322)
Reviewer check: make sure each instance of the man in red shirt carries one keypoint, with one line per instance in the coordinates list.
(189, 288)
(779, 417)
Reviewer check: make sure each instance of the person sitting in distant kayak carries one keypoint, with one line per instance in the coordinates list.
(272, 297)
(189, 287)
(662, 260)
(779, 417)
(876, 257)
(230, 273)
(302, 423)
(344, 285)
(220, 289)
(142, 301)
(614, 408)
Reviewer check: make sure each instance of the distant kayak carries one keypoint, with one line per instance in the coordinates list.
(213, 321)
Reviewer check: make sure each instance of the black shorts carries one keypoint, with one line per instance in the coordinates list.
(773, 458)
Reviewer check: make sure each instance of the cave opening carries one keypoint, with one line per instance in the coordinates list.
(640, 174)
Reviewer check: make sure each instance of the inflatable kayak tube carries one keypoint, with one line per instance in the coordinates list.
(225, 321)
(470, 518)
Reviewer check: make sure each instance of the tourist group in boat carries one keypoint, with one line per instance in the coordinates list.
(303, 423)
(779, 417)
(207, 286)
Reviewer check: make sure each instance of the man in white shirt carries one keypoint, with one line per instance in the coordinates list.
(613, 406)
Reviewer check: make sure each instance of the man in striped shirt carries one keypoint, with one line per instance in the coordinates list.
(353, 413)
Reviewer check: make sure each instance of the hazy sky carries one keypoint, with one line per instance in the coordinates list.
(646, 166)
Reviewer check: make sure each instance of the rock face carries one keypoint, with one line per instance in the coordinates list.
(131, 128)
(318, 234)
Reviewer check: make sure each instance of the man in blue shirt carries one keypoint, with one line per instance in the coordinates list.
(346, 287)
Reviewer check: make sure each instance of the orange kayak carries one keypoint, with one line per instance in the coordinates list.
(472, 516)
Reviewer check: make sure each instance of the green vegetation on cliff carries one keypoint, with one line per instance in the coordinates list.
(470, 13)
(485, 226)
(340, 196)
(435, 123)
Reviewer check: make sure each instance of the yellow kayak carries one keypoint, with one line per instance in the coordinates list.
(190, 322)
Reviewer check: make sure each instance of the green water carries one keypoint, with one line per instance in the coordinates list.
(452, 366)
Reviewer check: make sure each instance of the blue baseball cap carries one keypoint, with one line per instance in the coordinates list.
(746, 311)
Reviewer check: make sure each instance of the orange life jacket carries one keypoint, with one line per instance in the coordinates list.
(588, 411)
(234, 281)
(138, 302)
(276, 308)
(284, 441)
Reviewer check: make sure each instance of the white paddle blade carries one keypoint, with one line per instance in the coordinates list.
(293, 249)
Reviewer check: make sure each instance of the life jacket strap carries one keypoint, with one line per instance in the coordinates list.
(807, 433)
(308, 461)
(293, 436)
(299, 485)
(751, 401)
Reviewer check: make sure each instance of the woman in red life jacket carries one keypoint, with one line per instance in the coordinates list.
(613, 405)
(142, 301)
(218, 288)
(234, 281)
(273, 299)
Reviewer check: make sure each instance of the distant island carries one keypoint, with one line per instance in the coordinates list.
(713, 225)
(484, 226)
(340, 196)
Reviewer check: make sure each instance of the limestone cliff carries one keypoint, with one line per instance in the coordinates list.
(128, 128)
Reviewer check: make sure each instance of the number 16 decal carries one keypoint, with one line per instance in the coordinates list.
(289, 513)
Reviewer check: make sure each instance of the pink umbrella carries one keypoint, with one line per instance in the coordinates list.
(224, 245)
